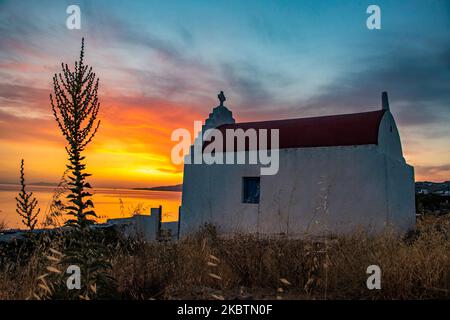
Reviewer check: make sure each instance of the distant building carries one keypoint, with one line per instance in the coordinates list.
(336, 174)
(442, 192)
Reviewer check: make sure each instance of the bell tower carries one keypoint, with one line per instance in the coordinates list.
(384, 101)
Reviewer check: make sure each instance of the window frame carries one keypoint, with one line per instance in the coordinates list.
(248, 198)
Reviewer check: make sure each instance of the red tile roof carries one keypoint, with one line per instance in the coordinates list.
(326, 131)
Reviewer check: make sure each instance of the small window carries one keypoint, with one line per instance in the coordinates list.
(250, 186)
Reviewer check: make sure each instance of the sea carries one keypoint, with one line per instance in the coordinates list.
(109, 203)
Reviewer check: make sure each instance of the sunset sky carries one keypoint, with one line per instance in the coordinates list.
(162, 63)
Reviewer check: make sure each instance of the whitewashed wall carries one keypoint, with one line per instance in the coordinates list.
(317, 190)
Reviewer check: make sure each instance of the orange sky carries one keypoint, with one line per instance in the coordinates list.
(159, 72)
(132, 147)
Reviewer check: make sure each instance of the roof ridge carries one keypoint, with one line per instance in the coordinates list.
(304, 118)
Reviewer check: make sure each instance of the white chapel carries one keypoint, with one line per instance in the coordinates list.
(336, 174)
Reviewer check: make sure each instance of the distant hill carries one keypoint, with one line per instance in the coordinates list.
(427, 187)
(177, 187)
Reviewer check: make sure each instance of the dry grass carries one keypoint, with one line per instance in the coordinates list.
(205, 266)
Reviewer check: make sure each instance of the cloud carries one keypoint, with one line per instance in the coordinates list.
(24, 112)
(171, 170)
(248, 83)
(417, 80)
(22, 93)
(438, 172)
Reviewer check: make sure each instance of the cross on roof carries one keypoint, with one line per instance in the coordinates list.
(221, 97)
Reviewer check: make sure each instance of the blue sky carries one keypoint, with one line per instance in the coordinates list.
(273, 59)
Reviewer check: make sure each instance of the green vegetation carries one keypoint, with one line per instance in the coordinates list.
(432, 204)
(75, 106)
(26, 203)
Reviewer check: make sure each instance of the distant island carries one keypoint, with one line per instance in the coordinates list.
(177, 188)
(427, 187)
